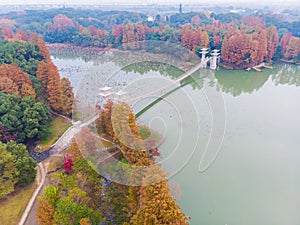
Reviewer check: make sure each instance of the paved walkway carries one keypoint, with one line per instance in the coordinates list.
(41, 176)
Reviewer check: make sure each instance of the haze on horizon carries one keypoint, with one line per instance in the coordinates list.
(144, 2)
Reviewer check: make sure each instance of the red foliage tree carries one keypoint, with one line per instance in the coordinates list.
(68, 164)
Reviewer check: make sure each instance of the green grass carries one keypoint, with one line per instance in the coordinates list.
(13, 206)
(57, 127)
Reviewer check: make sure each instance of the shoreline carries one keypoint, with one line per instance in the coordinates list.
(58, 48)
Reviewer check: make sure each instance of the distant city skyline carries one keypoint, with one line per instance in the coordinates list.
(143, 2)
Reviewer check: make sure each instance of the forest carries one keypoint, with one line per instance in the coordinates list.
(30, 89)
(244, 40)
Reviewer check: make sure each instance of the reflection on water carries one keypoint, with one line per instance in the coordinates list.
(255, 178)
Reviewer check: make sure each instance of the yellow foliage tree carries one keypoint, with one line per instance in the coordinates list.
(44, 212)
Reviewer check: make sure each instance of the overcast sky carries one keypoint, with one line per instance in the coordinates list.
(99, 2)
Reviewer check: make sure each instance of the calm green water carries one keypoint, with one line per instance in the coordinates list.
(231, 137)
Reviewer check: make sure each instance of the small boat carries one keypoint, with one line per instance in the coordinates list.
(257, 69)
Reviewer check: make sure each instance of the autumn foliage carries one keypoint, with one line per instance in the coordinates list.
(68, 164)
(14, 81)
(150, 203)
(44, 212)
(192, 37)
(58, 92)
(38, 41)
(48, 74)
(244, 49)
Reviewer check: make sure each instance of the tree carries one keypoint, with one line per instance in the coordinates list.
(68, 164)
(8, 171)
(203, 38)
(23, 116)
(24, 164)
(150, 204)
(6, 136)
(53, 88)
(262, 47)
(15, 78)
(27, 90)
(44, 51)
(85, 221)
(67, 97)
(74, 197)
(284, 42)
(196, 20)
(25, 55)
(293, 48)
(44, 212)
(74, 151)
(21, 36)
(189, 37)
(8, 86)
(35, 119)
(42, 74)
(237, 50)
(49, 76)
(272, 37)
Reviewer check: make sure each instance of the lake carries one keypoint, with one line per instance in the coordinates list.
(231, 138)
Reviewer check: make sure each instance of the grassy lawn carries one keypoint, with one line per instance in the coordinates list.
(11, 208)
(57, 127)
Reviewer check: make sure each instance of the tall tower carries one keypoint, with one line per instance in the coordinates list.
(214, 56)
(180, 8)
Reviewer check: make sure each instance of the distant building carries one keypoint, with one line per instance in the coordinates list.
(151, 19)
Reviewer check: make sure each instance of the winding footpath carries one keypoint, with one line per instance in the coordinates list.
(28, 217)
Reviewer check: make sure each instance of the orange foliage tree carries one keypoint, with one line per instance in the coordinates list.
(53, 88)
(237, 50)
(27, 90)
(272, 44)
(284, 42)
(35, 39)
(293, 48)
(67, 96)
(8, 86)
(49, 76)
(12, 77)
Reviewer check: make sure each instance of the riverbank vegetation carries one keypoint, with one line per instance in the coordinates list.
(244, 40)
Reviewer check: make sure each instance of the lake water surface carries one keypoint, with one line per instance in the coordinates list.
(232, 138)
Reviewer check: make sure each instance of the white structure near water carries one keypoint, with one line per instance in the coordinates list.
(213, 59)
